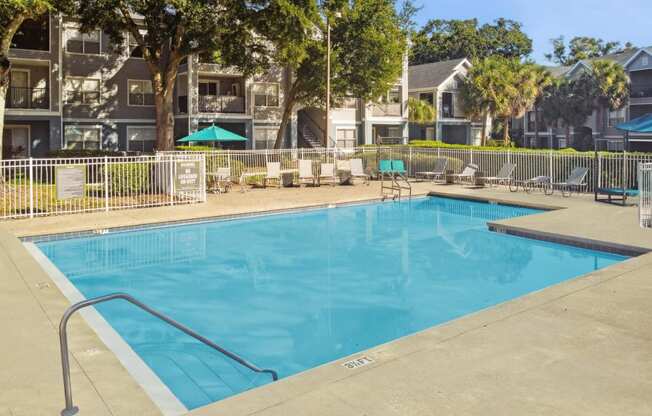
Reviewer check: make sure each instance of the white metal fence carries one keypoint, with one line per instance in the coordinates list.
(613, 170)
(29, 187)
(645, 192)
(37, 187)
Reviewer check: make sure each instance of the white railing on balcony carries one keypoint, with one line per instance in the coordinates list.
(39, 187)
(645, 192)
(386, 110)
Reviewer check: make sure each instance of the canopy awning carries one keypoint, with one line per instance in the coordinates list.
(213, 134)
(641, 124)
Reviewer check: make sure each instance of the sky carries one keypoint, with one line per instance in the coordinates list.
(543, 20)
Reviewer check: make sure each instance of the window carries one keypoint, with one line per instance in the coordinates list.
(447, 105)
(209, 88)
(346, 138)
(82, 91)
(140, 93)
(427, 97)
(33, 34)
(78, 42)
(78, 137)
(265, 137)
(562, 143)
(135, 50)
(266, 95)
(616, 117)
(394, 132)
(141, 138)
(644, 60)
(235, 90)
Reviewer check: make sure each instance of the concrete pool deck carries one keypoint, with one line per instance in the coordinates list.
(581, 347)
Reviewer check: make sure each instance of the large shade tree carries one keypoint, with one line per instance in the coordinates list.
(246, 34)
(580, 48)
(368, 47)
(569, 102)
(12, 15)
(440, 40)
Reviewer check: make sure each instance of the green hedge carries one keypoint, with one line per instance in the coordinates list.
(79, 153)
(129, 178)
(196, 148)
(420, 162)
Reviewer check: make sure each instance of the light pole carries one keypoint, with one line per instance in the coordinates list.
(328, 81)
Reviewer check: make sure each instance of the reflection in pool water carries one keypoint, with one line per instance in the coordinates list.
(290, 292)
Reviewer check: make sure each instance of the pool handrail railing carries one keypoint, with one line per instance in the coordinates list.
(63, 340)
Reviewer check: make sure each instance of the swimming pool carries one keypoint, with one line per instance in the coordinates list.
(292, 291)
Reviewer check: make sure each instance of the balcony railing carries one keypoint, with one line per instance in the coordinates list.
(28, 98)
(386, 110)
(641, 91)
(221, 104)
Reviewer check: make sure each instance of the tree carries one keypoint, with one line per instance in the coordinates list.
(580, 48)
(361, 32)
(501, 87)
(237, 33)
(609, 88)
(421, 112)
(543, 80)
(12, 14)
(441, 40)
(569, 102)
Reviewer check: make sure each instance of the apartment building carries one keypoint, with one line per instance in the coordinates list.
(438, 84)
(354, 122)
(70, 90)
(638, 66)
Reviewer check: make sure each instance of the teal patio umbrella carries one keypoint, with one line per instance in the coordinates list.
(213, 134)
(641, 124)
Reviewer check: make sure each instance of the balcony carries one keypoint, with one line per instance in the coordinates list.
(641, 91)
(386, 110)
(221, 104)
(28, 98)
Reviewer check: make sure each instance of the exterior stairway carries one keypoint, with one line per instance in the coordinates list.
(308, 138)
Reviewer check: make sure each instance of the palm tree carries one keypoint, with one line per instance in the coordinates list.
(544, 80)
(609, 86)
(420, 111)
(479, 91)
(521, 92)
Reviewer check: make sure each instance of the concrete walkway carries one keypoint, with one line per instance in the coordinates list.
(583, 347)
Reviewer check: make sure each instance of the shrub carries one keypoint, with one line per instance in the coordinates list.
(196, 149)
(129, 178)
(420, 162)
(83, 153)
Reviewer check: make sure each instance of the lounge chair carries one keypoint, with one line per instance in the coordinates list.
(384, 167)
(398, 168)
(305, 172)
(615, 194)
(528, 185)
(273, 173)
(468, 174)
(438, 171)
(220, 181)
(327, 174)
(503, 177)
(357, 170)
(574, 182)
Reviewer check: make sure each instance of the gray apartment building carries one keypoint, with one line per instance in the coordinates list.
(69, 90)
(638, 66)
(438, 84)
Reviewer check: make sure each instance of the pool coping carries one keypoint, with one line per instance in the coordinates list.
(488, 312)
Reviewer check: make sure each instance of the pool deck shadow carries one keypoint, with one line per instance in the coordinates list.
(582, 347)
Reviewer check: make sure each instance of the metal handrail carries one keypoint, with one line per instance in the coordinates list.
(63, 339)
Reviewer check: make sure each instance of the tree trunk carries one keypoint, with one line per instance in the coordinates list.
(4, 83)
(164, 120)
(290, 100)
(536, 125)
(568, 140)
(485, 120)
(506, 138)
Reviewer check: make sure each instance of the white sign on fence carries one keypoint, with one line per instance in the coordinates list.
(69, 181)
(187, 176)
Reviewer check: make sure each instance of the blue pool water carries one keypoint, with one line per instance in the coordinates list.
(293, 291)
